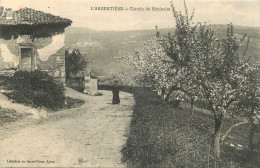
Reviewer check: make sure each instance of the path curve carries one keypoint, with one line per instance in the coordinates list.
(89, 136)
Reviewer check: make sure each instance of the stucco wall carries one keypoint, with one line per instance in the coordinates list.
(8, 54)
(9, 50)
(49, 53)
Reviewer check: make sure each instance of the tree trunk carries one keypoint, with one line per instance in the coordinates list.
(68, 76)
(191, 104)
(253, 147)
(68, 81)
(252, 130)
(162, 93)
(216, 141)
(169, 93)
(80, 80)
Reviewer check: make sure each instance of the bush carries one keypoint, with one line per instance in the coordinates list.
(76, 83)
(37, 88)
(75, 62)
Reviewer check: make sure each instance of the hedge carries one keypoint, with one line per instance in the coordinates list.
(37, 88)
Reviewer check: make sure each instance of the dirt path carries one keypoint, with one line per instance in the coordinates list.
(89, 136)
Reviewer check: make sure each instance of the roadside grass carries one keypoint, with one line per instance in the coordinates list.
(9, 115)
(73, 103)
(161, 135)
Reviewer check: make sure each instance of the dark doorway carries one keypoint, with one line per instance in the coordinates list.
(26, 59)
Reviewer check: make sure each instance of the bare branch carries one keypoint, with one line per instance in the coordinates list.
(230, 129)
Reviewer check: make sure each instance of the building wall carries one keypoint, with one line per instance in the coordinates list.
(49, 54)
(8, 54)
(9, 50)
(55, 65)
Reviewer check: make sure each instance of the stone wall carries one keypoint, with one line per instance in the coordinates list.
(91, 85)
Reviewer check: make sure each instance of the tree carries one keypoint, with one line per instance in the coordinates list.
(200, 64)
(248, 102)
(165, 62)
(223, 77)
(74, 62)
(204, 66)
(179, 48)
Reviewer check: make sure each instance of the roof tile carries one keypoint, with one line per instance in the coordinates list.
(28, 16)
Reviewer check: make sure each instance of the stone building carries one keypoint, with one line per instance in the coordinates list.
(30, 40)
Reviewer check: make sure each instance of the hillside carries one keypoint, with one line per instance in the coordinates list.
(102, 47)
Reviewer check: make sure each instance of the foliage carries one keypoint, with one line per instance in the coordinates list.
(74, 62)
(247, 102)
(215, 67)
(76, 83)
(166, 63)
(37, 88)
(119, 79)
(200, 64)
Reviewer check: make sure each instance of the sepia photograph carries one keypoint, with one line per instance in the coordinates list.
(130, 84)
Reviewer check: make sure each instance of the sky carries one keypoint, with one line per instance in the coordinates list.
(239, 12)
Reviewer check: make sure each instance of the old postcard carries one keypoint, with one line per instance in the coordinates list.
(128, 83)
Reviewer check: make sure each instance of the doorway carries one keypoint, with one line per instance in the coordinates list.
(26, 63)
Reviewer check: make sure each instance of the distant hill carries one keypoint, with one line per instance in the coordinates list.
(102, 47)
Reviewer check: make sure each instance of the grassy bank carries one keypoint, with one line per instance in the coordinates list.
(163, 136)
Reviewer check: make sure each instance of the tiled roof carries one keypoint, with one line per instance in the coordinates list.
(28, 16)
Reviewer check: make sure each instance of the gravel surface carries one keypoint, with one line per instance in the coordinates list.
(91, 135)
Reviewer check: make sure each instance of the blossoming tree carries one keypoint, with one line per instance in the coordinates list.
(200, 64)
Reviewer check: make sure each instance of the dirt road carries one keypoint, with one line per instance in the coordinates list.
(89, 136)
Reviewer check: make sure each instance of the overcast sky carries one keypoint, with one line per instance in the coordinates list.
(239, 12)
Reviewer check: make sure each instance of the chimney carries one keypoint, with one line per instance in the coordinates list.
(1, 10)
(8, 13)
